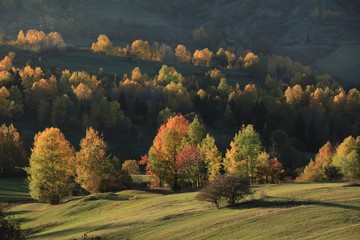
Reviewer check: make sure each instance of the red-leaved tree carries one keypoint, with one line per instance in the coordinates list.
(163, 158)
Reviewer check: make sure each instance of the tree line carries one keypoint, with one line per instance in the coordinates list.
(164, 53)
(288, 118)
(183, 154)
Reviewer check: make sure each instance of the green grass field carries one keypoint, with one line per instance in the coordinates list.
(13, 190)
(288, 211)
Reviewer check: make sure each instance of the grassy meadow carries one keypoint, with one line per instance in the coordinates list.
(287, 211)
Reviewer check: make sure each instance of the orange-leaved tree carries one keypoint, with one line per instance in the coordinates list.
(163, 157)
(317, 169)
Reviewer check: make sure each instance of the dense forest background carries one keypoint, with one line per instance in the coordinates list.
(233, 69)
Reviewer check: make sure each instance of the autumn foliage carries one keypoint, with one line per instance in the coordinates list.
(163, 157)
(38, 41)
(51, 166)
(331, 163)
(95, 170)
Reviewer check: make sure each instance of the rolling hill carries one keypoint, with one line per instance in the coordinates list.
(306, 211)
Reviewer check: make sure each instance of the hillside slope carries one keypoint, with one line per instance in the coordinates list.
(304, 30)
(307, 211)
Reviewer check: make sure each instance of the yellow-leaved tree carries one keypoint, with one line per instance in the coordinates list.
(12, 151)
(182, 54)
(51, 166)
(95, 170)
(243, 154)
(347, 157)
(103, 45)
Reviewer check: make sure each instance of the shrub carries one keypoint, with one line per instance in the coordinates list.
(231, 187)
(235, 188)
(212, 193)
(9, 229)
(131, 166)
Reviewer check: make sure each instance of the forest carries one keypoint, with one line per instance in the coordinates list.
(293, 112)
(199, 114)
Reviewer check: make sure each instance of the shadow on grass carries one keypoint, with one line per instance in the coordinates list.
(39, 228)
(89, 230)
(288, 203)
(162, 191)
(167, 191)
(17, 201)
(17, 212)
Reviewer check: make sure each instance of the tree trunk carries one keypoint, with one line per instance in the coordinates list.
(175, 185)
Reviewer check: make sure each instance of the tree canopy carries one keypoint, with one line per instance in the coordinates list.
(51, 166)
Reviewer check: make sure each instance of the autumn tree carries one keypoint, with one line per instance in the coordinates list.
(230, 58)
(43, 90)
(21, 38)
(29, 76)
(82, 92)
(182, 54)
(195, 134)
(211, 156)
(78, 77)
(37, 41)
(95, 170)
(316, 170)
(137, 75)
(163, 155)
(103, 45)
(131, 167)
(191, 167)
(268, 169)
(241, 158)
(6, 64)
(294, 95)
(51, 166)
(347, 157)
(168, 75)
(202, 57)
(12, 151)
(5, 103)
(54, 39)
(194, 169)
(251, 61)
(141, 49)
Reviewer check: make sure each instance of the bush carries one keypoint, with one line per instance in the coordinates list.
(211, 193)
(131, 166)
(121, 181)
(9, 230)
(230, 187)
(235, 188)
